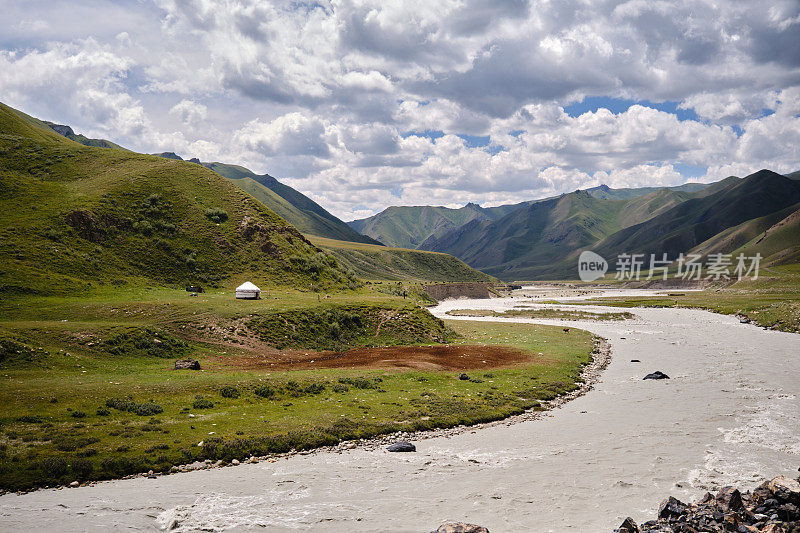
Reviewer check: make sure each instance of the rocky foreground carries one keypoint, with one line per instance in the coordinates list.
(773, 507)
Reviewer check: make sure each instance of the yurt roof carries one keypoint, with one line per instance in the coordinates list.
(247, 286)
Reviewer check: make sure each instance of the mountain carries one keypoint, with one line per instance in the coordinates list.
(67, 132)
(538, 234)
(75, 216)
(374, 262)
(411, 226)
(607, 193)
(542, 240)
(794, 175)
(421, 226)
(296, 208)
(690, 223)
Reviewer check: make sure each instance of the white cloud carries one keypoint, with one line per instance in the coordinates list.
(326, 93)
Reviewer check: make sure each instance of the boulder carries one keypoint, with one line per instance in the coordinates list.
(628, 526)
(187, 364)
(635, 361)
(744, 320)
(402, 446)
(460, 527)
(463, 377)
(656, 375)
(671, 507)
(730, 499)
(784, 489)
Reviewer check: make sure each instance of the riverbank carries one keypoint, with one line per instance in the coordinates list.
(725, 417)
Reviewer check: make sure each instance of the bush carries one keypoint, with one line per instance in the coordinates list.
(338, 387)
(217, 215)
(359, 383)
(82, 468)
(30, 419)
(265, 391)
(229, 392)
(102, 411)
(78, 414)
(148, 409)
(54, 466)
(127, 404)
(202, 403)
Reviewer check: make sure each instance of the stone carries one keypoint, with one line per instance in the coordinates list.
(463, 377)
(635, 361)
(671, 508)
(401, 446)
(187, 364)
(74, 484)
(730, 499)
(628, 526)
(460, 527)
(235, 462)
(785, 489)
(656, 375)
(744, 320)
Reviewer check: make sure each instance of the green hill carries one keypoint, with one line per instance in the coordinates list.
(698, 219)
(74, 217)
(542, 240)
(298, 209)
(422, 226)
(373, 262)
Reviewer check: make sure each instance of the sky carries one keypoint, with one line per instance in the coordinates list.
(362, 104)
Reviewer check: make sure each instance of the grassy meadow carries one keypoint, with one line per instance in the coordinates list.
(75, 409)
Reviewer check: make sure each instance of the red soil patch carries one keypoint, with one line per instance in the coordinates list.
(451, 357)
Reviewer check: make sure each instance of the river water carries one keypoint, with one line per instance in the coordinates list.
(728, 415)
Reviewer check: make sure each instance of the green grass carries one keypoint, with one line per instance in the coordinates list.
(137, 410)
(374, 262)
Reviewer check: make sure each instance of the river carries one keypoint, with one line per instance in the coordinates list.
(729, 414)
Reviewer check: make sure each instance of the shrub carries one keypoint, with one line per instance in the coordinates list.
(217, 215)
(82, 468)
(358, 383)
(229, 392)
(102, 411)
(265, 391)
(30, 419)
(338, 387)
(54, 466)
(202, 403)
(78, 414)
(148, 409)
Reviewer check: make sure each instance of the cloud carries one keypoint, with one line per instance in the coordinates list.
(367, 103)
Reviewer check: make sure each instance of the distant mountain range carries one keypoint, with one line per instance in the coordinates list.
(543, 240)
(421, 226)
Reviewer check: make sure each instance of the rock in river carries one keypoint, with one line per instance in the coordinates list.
(402, 446)
(656, 375)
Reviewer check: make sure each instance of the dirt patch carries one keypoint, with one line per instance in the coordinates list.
(448, 357)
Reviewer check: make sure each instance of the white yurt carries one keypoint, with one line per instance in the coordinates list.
(248, 291)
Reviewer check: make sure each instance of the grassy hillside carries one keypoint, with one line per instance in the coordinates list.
(779, 243)
(75, 217)
(538, 235)
(296, 208)
(690, 223)
(409, 227)
(422, 226)
(373, 262)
